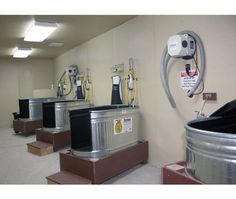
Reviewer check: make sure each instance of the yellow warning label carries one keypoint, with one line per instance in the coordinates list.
(118, 126)
(122, 125)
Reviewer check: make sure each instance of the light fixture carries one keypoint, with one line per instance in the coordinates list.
(22, 52)
(39, 31)
(56, 44)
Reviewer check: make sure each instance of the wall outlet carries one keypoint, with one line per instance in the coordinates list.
(209, 96)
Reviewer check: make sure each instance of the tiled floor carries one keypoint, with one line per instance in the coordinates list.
(17, 166)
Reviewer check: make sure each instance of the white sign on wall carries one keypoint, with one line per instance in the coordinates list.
(188, 81)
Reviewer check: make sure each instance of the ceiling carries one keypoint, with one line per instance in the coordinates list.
(72, 30)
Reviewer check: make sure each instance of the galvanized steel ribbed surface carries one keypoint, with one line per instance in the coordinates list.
(211, 155)
(104, 140)
(62, 112)
(35, 107)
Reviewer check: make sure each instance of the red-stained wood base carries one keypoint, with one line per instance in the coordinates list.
(57, 140)
(98, 171)
(26, 126)
(175, 174)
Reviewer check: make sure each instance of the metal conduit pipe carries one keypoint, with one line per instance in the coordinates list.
(164, 66)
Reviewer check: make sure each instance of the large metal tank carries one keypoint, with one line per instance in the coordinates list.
(56, 114)
(211, 147)
(99, 131)
(31, 109)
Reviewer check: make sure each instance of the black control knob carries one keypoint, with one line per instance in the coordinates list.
(184, 43)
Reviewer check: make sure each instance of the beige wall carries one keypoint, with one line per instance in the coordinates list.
(18, 79)
(144, 38)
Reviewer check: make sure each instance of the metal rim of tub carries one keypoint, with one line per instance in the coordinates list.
(211, 143)
(210, 155)
(107, 113)
(212, 133)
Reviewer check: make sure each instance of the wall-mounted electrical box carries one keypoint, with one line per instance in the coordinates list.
(209, 96)
(117, 69)
(181, 46)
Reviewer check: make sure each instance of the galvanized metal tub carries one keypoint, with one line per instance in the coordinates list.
(31, 109)
(211, 150)
(56, 114)
(101, 131)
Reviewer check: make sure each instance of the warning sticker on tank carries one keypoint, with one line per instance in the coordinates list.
(122, 125)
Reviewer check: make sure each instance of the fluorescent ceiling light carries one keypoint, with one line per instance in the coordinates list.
(22, 52)
(56, 44)
(39, 31)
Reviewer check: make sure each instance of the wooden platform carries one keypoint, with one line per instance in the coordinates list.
(98, 171)
(26, 126)
(44, 139)
(175, 174)
(40, 148)
(57, 139)
(65, 177)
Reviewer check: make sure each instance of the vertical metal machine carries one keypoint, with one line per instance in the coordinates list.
(116, 95)
(183, 45)
(129, 85)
